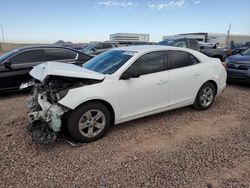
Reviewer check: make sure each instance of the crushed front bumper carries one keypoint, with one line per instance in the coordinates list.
(45, 121)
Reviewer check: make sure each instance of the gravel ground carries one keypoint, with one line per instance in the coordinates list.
(180, 148)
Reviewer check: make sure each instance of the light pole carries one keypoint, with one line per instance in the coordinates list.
(228, 34)
(2, 33)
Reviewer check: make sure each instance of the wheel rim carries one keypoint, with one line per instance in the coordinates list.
(92, 123)
(207, 96)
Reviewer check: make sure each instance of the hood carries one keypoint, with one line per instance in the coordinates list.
(239, 58)
(41, 71)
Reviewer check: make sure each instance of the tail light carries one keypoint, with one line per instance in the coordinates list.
(224, 64)
(229, 52)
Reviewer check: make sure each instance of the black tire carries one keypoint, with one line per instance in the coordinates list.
(74, 118)
(198, 104)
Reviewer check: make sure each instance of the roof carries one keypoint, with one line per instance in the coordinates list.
(145, 48)
(41, 46)
(150, 48)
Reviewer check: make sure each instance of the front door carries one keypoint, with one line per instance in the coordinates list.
(148, 92)
(18, 72)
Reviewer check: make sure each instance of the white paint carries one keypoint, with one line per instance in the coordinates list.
(146, 95)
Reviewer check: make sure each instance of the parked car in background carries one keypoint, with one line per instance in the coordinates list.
(247, 44)
(98, 47)
(194, 44)
(118, 86)
(238, 67)
(16, 64)
(236, 48)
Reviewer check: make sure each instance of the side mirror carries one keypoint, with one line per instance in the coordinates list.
(94, 49)
(129, 74)
(7, 64)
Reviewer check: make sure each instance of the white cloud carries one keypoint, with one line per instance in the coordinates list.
(167, 5)
(197, 2)
(117, 4)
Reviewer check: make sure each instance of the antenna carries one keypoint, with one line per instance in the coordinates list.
(2, 33)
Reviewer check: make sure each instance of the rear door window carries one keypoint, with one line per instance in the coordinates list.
(178, 59)
(57, 54)
(28, 56)
(53, 54)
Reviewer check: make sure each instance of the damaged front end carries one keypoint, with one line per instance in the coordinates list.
(46, 113)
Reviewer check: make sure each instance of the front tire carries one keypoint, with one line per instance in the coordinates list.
(205, 96)
(89, 122)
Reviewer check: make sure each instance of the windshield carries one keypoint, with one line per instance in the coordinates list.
(165, 42)
(7, 55)
(246, 52)
(88, 47)
(108, 62)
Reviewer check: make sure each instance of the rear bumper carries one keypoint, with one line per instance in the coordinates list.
(238, 75)
(221, 89)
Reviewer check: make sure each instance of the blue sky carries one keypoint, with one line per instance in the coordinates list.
(47, 21)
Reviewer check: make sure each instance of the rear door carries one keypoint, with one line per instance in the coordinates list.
(21, 64)
(185, 77)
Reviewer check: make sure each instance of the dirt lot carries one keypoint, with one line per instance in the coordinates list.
(180, 148)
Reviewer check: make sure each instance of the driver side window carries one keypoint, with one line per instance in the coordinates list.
(29, 56)
(99, 46)
(149, 63)
(181, 44)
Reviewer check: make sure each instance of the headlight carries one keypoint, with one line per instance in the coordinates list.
(27, 84)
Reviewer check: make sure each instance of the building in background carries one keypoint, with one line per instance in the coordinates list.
(129, 37)
(216, 38)
(222, 38)
(202, 37)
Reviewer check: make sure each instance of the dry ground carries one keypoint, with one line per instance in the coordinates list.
(180, 148)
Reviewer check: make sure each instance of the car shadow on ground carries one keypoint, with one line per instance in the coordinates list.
(137, 123)
(239, 84)
(9, 94)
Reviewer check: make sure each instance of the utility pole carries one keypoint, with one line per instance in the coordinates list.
(228, 34)
(2, 33)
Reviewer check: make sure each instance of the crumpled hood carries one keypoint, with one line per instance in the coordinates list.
(41, 71)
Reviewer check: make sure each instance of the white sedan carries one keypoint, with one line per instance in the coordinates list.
(118, 86)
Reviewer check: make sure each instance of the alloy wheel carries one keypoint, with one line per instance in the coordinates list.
(92, 123)
(207, 96)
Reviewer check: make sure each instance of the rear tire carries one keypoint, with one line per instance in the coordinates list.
(88, 122)
(205, 96)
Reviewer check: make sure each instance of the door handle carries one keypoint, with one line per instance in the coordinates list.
(162, 82)
(197, 74)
